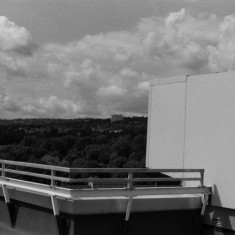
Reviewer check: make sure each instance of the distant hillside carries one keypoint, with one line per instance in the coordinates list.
(75, 142)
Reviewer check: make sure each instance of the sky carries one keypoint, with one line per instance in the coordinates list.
(94, 58)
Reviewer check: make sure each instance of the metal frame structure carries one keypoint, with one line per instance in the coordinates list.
(127, 185)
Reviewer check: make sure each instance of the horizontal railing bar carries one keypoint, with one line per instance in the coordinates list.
(131, 170)
(139, 191)
(164, 179)
(123, 180)
(99, 180)
(35, 165)
(97, 170)
(34, 187)
(77, 194)
(44, 176)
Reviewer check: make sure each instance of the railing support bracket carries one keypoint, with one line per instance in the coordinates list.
(6, 194)
(12, 207)
(128, 209)
(54, 205)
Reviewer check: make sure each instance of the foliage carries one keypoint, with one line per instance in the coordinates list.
(75, 143)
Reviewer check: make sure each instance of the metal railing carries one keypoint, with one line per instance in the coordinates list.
(14, 176)
(128, 177)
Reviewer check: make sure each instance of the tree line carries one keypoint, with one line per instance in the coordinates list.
(76, 142)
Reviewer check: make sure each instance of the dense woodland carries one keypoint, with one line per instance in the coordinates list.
(75, 143)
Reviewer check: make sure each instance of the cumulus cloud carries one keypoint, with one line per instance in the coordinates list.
(13, 37)
(50, 107)
(15, 43)
(7, 103)
(109, 73)
(42, 107)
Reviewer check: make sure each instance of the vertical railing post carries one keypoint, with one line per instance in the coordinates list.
(130, 176)
(129, 203)
(202, 177)
(52, 178)
(205, 200)
(3, 172)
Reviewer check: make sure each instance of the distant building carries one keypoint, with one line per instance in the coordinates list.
(116, 118)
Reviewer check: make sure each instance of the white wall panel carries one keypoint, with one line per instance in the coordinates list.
(209, 120)
(210, 132)
(166, 125)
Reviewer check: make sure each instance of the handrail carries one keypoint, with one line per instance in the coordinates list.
(44, 176)
(133, 182)
(36, 165)
(128, 179)
(95, 170)
(131, 170)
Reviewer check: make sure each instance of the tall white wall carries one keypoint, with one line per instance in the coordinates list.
(203, 111)
(166, 123)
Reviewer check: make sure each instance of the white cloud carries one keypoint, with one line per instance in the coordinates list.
(109, 73)
(144, 86)
(111, 91)
(222, 55)
(10, 105)
(13, 37)
(15, 43)
(42, 107)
